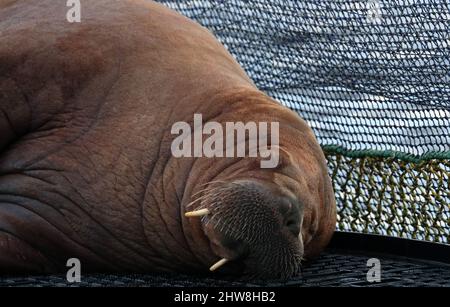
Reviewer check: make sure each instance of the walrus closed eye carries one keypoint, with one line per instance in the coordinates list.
(86, 168)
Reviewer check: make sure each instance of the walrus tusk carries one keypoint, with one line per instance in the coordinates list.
(200, 212)
(218, 264)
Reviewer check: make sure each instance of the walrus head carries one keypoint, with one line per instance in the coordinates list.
(261, 223)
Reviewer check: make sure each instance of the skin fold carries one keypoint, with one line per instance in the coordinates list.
(86, 170)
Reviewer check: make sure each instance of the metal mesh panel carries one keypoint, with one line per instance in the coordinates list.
(392, 197)
(372, 78)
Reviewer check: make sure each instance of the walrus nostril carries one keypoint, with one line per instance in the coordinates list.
(293, 226)
(291, 215)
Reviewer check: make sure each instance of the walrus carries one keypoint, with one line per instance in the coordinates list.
(86, 170)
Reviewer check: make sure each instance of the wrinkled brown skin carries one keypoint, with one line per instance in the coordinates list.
(86, 169)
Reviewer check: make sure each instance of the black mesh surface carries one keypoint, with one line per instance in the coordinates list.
(366, 74)
(334, 268)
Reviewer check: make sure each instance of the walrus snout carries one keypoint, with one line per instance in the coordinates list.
(254, 227)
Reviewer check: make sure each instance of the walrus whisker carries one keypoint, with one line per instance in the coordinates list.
(212, 199)
(213, 204)
(196, 213)
(214, 210)
(207, 191)
(203, 190)
(218, 264)
(217, 223)
(192, 202)
(212, 182)
(202, 198)
(210, 219)
(197, 199)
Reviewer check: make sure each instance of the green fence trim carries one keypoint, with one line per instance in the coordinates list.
(330, 149)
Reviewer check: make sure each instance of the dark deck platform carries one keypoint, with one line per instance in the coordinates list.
(336, 267)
